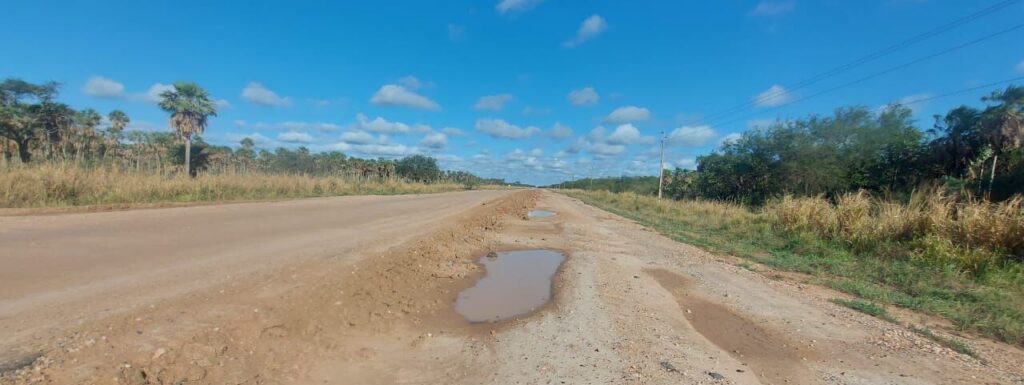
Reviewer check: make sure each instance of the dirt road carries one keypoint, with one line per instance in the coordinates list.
(360, 291)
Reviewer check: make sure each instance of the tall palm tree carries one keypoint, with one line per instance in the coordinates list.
(118, 121)
(190, 108)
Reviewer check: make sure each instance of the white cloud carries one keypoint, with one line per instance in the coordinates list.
(1020, 67)
(396, 95)
(731, 138)
(456, 32)
(508, 6)
(687, 164)
(410, 82)
(382, 126)
(152, 95)
(605, 149)
(301, 126)
(387, 150)
(591, 27)
(222, 103)
(360, 137)
(259, 95)
(561, 131)
(239, 123)
(102, 87)
(452, 131)
(692, 136)
(434, 141)
(627, 134)
(628, 114)
(773, 8)
(536, 111)
(321, 102)
(295, 137)
(586, 96)
(501, 129)
(537, 152)
(775, 96)
(492, 102)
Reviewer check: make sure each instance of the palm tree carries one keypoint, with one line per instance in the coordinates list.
(118, 121)
(190, 107)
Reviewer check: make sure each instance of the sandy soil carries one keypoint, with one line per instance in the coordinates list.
(359, 291)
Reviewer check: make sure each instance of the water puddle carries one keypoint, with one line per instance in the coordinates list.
(540, 214)
(516, 283)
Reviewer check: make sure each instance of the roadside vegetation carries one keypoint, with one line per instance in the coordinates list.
(54, 155)
(867, 203)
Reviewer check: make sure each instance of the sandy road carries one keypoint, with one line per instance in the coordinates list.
(61, 269)
(630, 306)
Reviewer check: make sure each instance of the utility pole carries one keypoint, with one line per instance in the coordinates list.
(661, 166)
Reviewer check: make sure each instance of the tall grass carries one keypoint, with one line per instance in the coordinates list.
(956, 259)
(973, 234)
(51, 185)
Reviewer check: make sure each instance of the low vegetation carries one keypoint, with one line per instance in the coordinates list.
(865, 307)
(59, 186)
(957, 259)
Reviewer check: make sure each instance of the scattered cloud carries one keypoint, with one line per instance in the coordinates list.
(627, 134)
(321, 102)
(396, 95)
(687, 164)
(913, 101)
(628, 114)
(456, 32)
(501, 129)
(773, 8)
(452, 131)
(434, 141)
(411, 82)
(383, 126)
(492, 102)
(775, 96)
(361, 137)
(152, 95)
(692, 136)
(731, 138)
(561, 131)
(585, 96)
(513, 6)
(591, 27)
(222, 103)
(536, 111)
(102, 87)
(1020, 67)
(303, 126)
(257, 94)
(295, 137)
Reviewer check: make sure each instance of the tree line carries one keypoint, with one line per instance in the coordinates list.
(969, 150)
(35, 127)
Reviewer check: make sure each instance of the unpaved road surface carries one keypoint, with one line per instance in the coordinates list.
(359, 290)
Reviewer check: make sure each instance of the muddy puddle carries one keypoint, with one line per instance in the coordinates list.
(773, 358)
(540, 214)
(516, 283)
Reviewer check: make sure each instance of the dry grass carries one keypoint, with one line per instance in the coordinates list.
(971, 233)
(61, 186)
(959, 260)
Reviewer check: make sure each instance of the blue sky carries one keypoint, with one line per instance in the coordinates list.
(529, 90)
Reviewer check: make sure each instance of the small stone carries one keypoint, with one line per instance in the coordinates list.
(668, 367)
(158, 353)
(716, 376)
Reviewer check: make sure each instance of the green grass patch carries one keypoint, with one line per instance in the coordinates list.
(956, 345)
(989, 302)
(868, 308)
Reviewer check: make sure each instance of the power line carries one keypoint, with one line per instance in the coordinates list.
(868, 58)
(880, 73)
(962, 91)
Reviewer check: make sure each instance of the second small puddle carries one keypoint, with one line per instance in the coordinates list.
(516, 283)
(540, 213)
